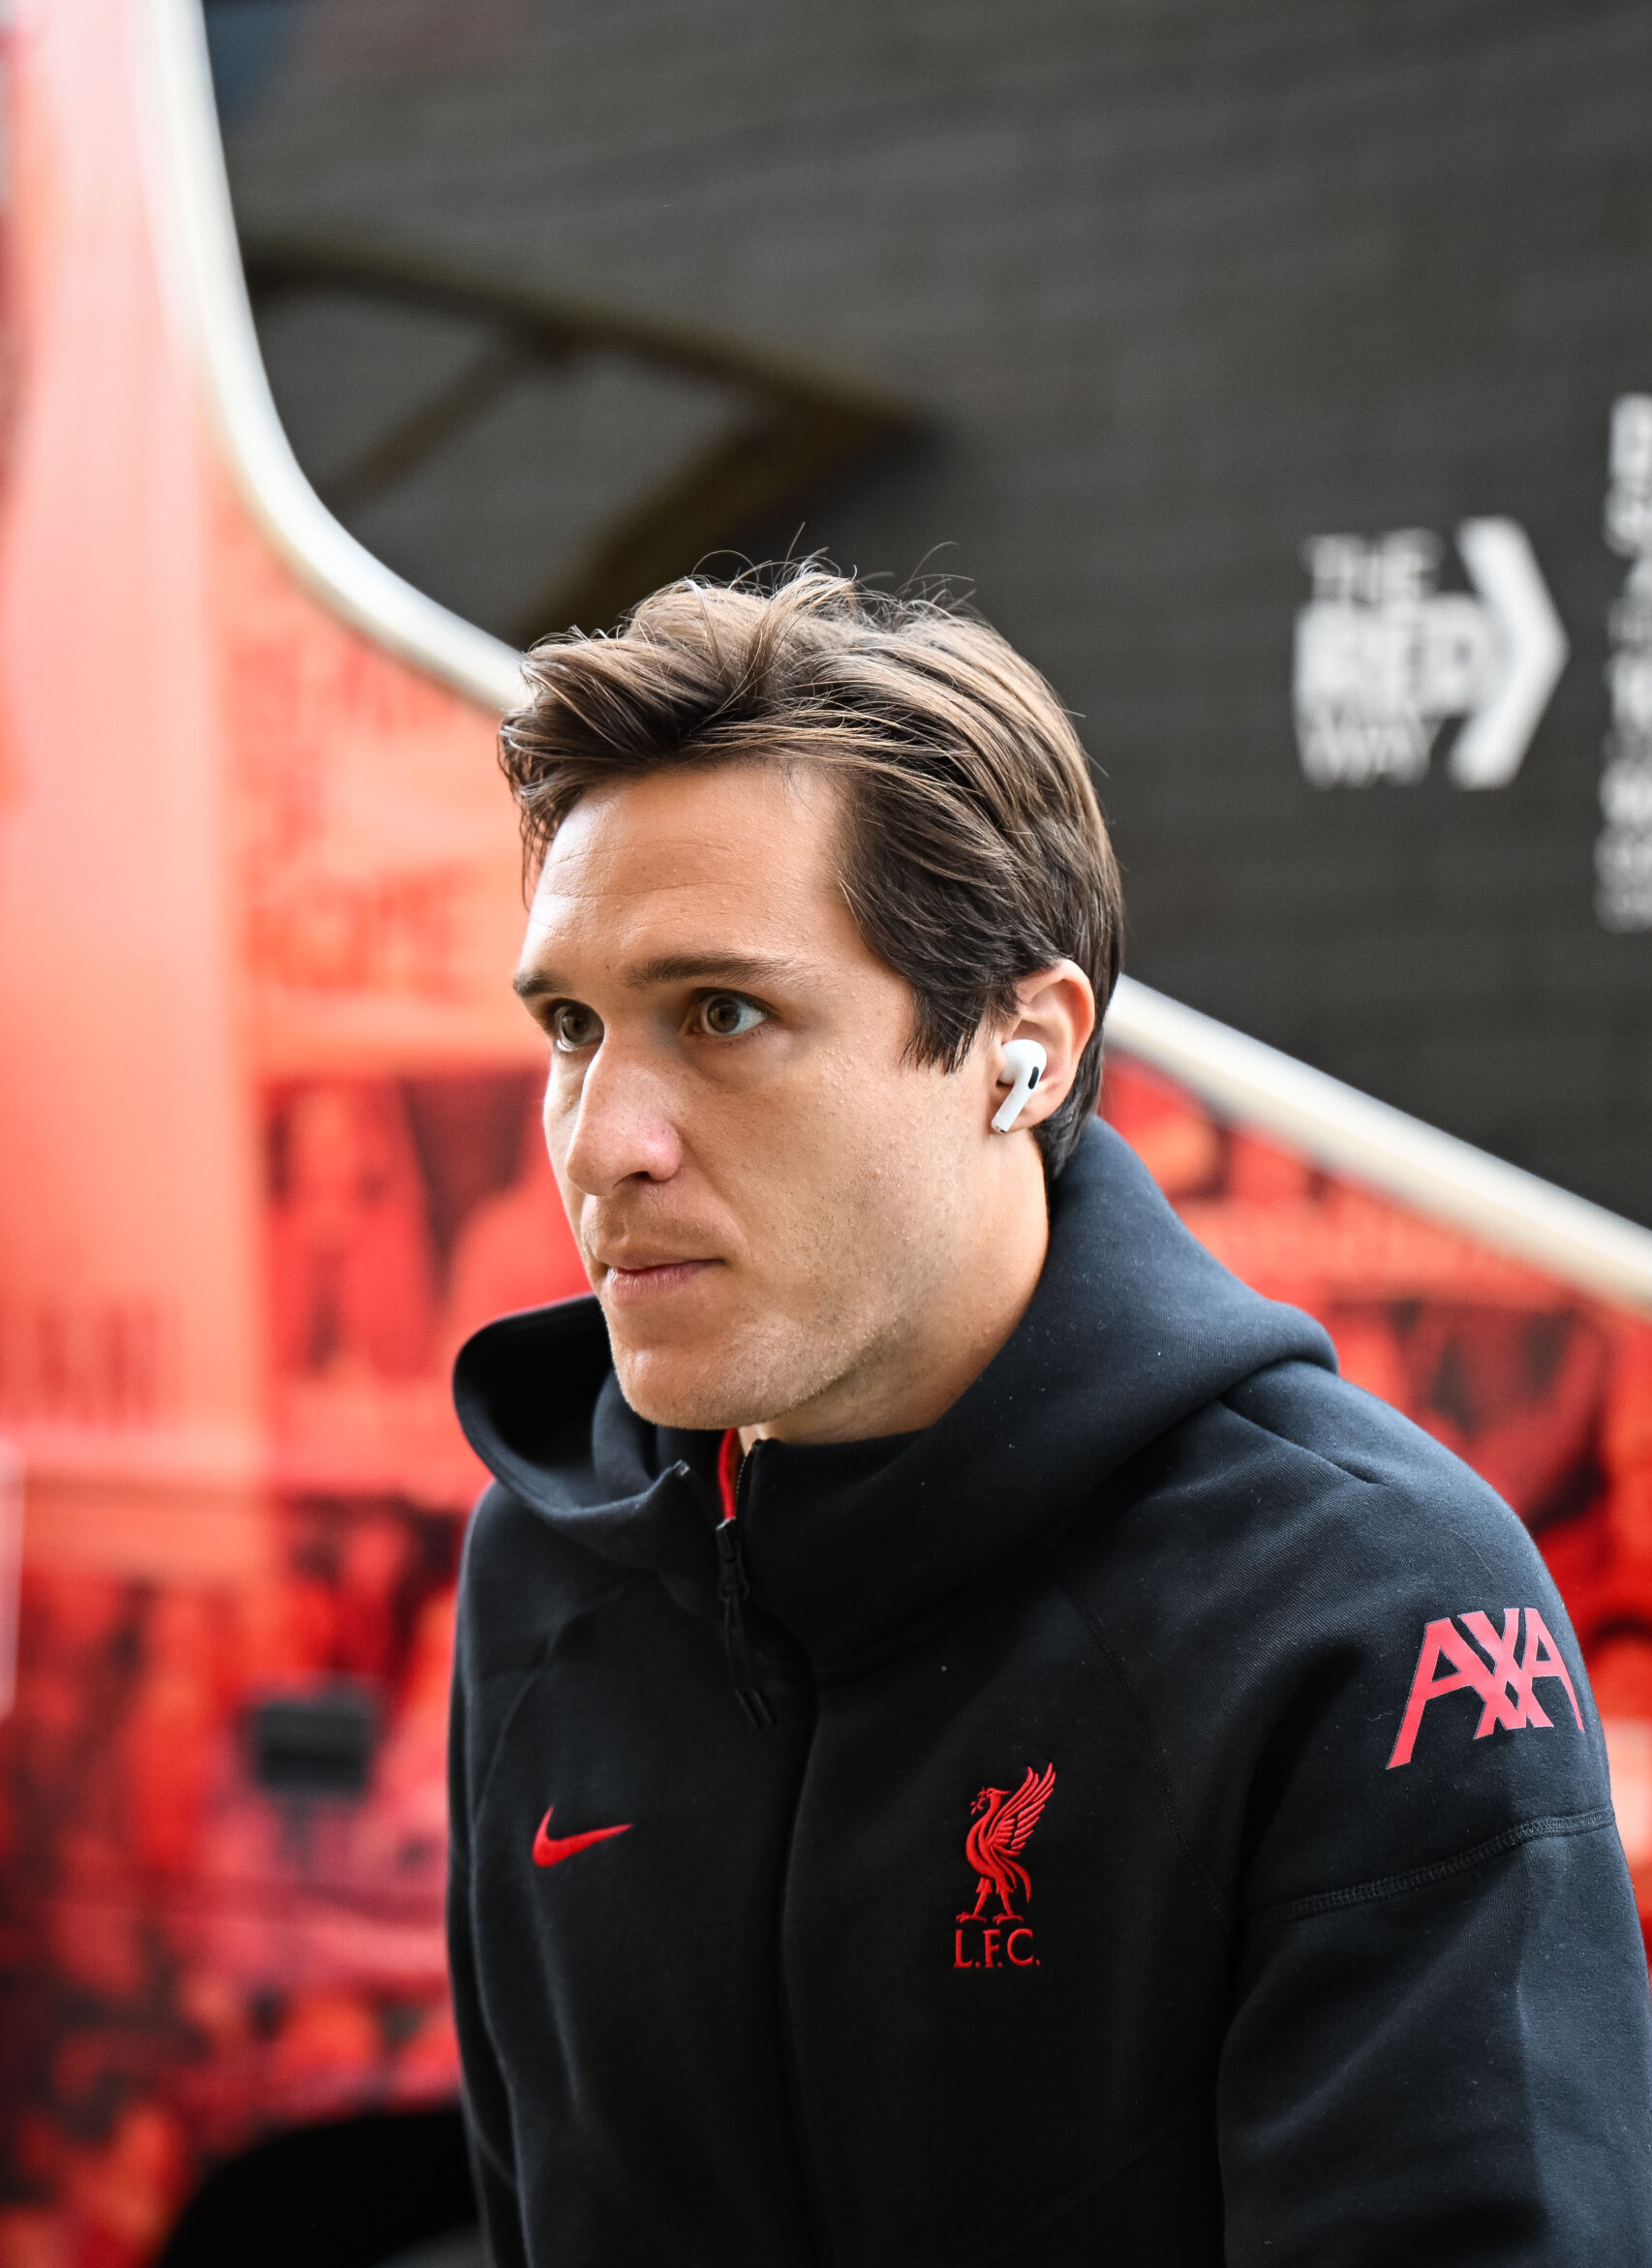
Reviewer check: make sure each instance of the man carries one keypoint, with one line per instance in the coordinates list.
(970, 1743)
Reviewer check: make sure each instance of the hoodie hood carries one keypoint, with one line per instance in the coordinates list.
(1133, 1328)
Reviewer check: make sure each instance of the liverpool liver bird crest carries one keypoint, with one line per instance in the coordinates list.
(1002, 1824)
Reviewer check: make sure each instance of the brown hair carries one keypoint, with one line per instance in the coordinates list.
(975, 849)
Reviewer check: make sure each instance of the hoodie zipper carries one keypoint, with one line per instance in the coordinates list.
(733, 1589)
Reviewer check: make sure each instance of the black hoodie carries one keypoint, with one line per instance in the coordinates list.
(1176, 1842)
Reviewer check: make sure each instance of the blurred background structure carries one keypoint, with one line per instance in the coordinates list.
(1281, 381)
(1117, 314)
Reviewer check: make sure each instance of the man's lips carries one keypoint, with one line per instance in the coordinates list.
(651, 1279)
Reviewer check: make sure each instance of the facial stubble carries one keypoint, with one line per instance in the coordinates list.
(869, 1278)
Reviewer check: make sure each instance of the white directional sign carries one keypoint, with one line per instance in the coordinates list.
(1623, 853)
(1383, 658)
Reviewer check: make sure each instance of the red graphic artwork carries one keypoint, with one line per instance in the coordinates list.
(1003, 1824)
(551, 1850)
(1506, 1686)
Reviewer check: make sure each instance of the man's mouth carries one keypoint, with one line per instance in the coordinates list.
(646, 1279)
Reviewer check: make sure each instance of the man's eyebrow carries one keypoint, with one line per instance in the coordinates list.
(729, 969)
(533, 984)
(732, 968)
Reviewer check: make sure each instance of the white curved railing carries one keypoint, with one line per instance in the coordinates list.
(1335, 1125)
(343, 572)
(1339, 1127)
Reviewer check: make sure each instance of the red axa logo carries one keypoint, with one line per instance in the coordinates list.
(1505, 1684)
(1000, 1827)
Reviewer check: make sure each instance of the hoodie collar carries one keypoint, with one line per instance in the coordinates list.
(1133, 1326)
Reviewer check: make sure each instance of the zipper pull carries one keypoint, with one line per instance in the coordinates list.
(732, 1587)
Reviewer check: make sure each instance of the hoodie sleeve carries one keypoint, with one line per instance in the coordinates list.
(1381, 1746)
(487, 2110)
(1447, 2066)
(1440, 2041)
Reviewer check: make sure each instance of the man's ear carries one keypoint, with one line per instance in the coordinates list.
(1054, 1007)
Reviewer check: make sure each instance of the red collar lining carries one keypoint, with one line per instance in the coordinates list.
(728, 1470)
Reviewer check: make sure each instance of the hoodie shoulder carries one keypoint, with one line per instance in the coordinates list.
(521, 1583)
(1344, 1646)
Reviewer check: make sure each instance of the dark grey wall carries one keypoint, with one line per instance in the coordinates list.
(1181, 284)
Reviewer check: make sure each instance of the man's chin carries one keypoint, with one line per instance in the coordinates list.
(708, 1384)
(680, 1392)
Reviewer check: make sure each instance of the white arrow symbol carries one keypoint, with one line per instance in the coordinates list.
(1492, 741)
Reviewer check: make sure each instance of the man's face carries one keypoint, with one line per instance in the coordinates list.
(771, 1200)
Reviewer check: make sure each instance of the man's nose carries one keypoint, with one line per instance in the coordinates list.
(624, 1124)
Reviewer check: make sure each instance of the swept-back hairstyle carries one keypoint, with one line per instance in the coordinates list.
(973, 848)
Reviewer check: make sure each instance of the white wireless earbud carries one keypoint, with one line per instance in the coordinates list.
(1024, 1064)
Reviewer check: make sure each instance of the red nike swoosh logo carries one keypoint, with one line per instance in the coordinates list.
(552, 1849)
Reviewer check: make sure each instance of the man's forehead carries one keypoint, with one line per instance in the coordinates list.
(675, 830)
(709, 872)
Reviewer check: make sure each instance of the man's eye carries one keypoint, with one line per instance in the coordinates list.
(573, 1028)
(725, 1015)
